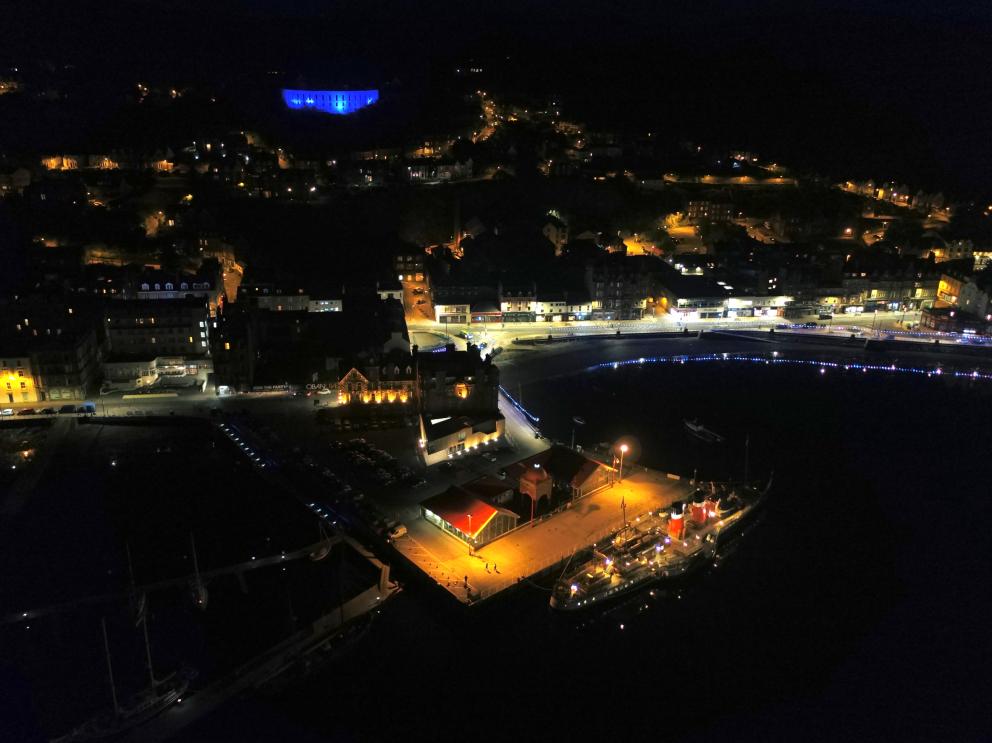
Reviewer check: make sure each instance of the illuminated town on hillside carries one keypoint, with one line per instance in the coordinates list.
(344, 347)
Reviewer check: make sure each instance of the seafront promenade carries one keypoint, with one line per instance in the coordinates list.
(534, 547)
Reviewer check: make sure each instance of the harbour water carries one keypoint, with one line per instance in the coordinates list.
(855, 609)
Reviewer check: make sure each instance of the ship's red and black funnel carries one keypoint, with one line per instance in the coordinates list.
(697, 508)
(676, 521)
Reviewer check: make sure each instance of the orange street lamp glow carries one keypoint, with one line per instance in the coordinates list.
(623, 450)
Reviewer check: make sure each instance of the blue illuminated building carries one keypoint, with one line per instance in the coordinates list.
(330, 101)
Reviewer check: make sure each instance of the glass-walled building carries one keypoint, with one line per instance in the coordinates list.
(467, 517)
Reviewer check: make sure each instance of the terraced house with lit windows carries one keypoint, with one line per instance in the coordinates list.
(150, 328)
(17, 380)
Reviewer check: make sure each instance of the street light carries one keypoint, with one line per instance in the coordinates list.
(623, 450)
(576, 421)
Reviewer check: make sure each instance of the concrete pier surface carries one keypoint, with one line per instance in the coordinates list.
(534, 547)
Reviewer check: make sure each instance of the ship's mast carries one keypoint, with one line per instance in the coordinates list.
(110, 667)
(148, 653)
(623, 509)
(139, 604)
(199, 590)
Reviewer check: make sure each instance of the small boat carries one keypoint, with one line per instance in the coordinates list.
(702, 433)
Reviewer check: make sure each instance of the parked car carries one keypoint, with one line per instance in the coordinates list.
(28, 411)
(397, 531)
(7, 411)
(48, 411)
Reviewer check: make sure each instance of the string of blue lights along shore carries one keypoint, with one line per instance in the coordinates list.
(774, 359)
(934, 371)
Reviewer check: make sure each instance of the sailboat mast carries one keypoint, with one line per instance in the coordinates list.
(196, 564)
(148, 653)
(110, 667)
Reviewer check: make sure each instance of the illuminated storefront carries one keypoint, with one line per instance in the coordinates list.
(390, 389)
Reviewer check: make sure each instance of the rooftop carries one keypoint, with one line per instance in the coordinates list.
(454, 363)
(562, 463)
(436, 428)
(463, 509)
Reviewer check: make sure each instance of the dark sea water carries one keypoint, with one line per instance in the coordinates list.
(70, 540)
(855, 610)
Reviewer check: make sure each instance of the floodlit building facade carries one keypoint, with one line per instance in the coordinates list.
(17, 383)
(451, 437)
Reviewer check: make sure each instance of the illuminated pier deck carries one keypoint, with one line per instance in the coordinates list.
(531, 549)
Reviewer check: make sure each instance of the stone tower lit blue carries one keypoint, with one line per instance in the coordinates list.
(330, 101)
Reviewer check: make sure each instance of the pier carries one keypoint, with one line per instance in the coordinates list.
(536, 546)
